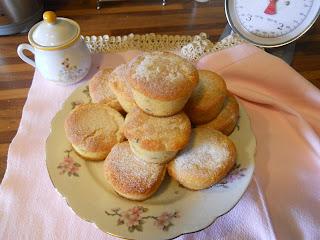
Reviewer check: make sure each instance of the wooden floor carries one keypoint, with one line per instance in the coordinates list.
(118, 18)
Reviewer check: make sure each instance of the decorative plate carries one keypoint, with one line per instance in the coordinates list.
(170, 212)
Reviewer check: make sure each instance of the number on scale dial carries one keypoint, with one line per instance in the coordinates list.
(272, 18)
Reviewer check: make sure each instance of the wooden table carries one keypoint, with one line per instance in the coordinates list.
(178, 17)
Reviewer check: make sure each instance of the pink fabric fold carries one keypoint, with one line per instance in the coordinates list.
(282, 201)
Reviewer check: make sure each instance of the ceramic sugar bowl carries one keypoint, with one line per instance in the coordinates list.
(60, 54)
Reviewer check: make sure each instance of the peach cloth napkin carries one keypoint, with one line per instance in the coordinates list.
(282, 201)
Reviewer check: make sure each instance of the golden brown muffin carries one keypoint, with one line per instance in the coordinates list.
(130, 176)
(162, 82)
(208, 158)
(100, 91)
(227, 118)
(93, 129)
(207, 98)
(156, 139)
(118, 82)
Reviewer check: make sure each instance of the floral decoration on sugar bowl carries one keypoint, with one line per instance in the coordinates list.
(134, 218)
(70, 72)
(68, 165)
(52, 39)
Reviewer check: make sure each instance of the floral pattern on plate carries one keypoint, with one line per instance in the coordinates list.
(236, 173)
(85, 91)
(68, 165)
(135, 217)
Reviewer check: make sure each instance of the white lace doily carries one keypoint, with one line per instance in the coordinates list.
(190, 47)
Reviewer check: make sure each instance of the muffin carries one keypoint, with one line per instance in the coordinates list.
(227, 119)
(93, 129)
(119, 84)
(207, 98)
(155, 139)
(208, 158)
(100, 91)
(162, 82)
(130, 176)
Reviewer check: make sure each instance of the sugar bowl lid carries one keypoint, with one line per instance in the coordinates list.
(53, 33)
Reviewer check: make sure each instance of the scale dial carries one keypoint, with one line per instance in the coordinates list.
(271, 23)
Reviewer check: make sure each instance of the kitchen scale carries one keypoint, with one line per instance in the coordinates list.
(271, 24)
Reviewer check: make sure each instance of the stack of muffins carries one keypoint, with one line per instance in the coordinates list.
(176, 118)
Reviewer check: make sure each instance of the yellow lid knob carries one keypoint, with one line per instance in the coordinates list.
(49, 17)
